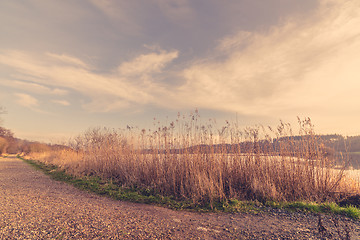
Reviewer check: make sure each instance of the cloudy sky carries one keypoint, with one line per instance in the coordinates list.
(69, 65)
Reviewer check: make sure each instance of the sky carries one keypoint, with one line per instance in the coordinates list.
(66, 66)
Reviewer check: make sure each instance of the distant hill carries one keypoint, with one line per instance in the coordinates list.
(334, 145)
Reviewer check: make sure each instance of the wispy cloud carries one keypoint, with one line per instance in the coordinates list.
(147, 64)
(61, 102)
(131, 83)
(66, 59)
(31, 86)
(289, 66)
(26, 100)
(305, 62)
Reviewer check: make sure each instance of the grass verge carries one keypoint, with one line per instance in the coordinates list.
(110, 189)
(311, 207)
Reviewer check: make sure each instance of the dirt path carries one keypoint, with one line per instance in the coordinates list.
(32, 206)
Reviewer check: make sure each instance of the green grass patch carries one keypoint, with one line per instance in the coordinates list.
(110, 189)
(327, 207)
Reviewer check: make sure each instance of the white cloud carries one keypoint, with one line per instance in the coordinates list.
(31, 86)
(305, 64)
(26, 100)
(66, 59)
(293, 66)
(147, 64)
(61, 102)
(132, 84)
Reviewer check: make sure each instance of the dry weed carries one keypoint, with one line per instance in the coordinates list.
(193, 160)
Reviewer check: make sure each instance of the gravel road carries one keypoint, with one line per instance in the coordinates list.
(32, 206)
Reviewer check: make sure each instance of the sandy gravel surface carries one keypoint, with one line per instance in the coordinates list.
(32, 206)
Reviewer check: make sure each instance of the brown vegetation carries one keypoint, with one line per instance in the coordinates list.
(189, 159)
(11, 145)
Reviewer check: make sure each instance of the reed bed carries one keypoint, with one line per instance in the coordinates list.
(194, 160)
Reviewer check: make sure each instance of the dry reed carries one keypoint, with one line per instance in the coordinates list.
(189, 159)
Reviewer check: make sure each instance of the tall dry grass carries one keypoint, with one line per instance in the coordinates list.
(191, 159)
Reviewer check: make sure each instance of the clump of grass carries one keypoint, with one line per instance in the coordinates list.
(194, 161)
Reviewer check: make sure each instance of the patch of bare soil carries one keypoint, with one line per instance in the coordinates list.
(32, 206)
